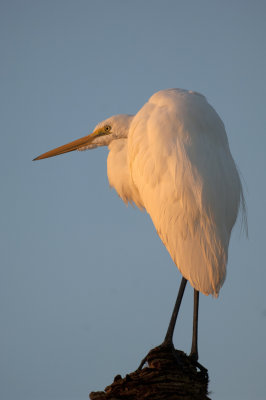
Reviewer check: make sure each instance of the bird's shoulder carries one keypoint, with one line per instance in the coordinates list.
(175, 95)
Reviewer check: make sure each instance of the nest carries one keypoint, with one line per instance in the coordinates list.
(170, 375)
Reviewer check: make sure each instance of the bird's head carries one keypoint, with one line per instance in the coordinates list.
(104, 133)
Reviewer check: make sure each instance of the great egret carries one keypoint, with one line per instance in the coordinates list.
(173, 159)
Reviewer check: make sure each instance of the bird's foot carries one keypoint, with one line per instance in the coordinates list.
(162, 355)
(194, 361)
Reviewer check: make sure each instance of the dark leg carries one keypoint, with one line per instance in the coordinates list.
(170, 331)
(168, 340)
(194, 346)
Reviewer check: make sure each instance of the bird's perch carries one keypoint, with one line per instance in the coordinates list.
(163, 379)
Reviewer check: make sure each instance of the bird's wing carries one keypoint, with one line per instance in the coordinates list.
(181, 164)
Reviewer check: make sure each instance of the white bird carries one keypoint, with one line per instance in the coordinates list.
(173, 159)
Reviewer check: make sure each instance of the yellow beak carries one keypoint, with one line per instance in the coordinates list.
(66, 148)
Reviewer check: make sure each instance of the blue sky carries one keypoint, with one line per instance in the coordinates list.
(86, 286)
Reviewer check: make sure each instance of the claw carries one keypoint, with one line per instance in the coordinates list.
(194, 361)
(161, 353)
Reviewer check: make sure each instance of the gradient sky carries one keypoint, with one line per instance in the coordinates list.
(86, 286)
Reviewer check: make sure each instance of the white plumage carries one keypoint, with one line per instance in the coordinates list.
(176, 163)
(173, 159)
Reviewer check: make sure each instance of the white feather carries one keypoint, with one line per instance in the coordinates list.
(179, 167)
(173, 159)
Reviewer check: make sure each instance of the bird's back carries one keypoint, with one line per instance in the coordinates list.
(180, 163)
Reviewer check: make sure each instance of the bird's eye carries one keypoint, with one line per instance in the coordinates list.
(107, 128)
